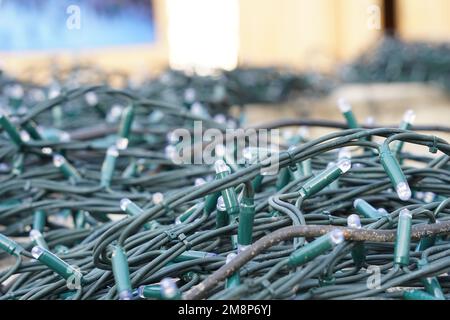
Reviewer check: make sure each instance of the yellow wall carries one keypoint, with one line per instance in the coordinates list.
(304, 33)
(424, 19)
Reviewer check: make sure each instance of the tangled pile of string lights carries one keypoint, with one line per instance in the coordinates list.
(93, 207)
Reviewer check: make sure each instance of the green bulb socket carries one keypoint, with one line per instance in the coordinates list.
(108, 166)
(418, 295)
(65, 167)
(316, 248)
(346, 110)
(222, 218)
(31, 128)
(367, 211)
(358, 252)
(234, 280)
(245, 227)
(395, 173)
(121, 273)
(324, 178)
(10, 129)
(403, 238)
(39, 219)
(185, 215)
(55, 263)
(126, 122)
(150, 291)
(283, 178)
(132, 209)
(229, 194)
(10, 246)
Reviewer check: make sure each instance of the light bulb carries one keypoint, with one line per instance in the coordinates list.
(36, 252)
(353, 221)
(343, 105)
(409, 116)
(220, 166)
(91, 98)
(157, 198)
(58, 160)
(124, 204)
(344, 165)
(337, 236)
(403, 191)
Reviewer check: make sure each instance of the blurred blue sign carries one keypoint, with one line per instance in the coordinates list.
(74, 24)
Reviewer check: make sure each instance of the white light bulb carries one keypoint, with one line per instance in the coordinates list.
(124, 204)
(157, 198)
(344, 165)
(36, 252)
(91, 98)
(122, 143)
(409, 116)
(353, 221)
(403, 191)
(221, 204)
(168, 287)
(220, 166)
(405, 213)
(112, 151)
(343, 105)
(337, 236)
(58, 160)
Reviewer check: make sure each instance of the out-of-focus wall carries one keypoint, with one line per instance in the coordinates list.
(424, 20)
(304, 33)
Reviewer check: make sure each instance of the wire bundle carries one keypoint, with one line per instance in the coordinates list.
(348, 215)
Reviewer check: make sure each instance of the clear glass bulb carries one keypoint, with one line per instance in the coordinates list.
(58, 160)
(220, 204)
(122, 143)
(221, 166)
(157, 198)
(409, 116)
(64, 136)
(403, 191)
(343, 105)
(428, 197)
(405, 213)
(337, 236)
(112, 151)
(124, 204)
(169, 288)
(353, 221)
(199, 182)
(91, 98)
(36, 252)
(25, 136)
(344, 165)
(47, 150)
